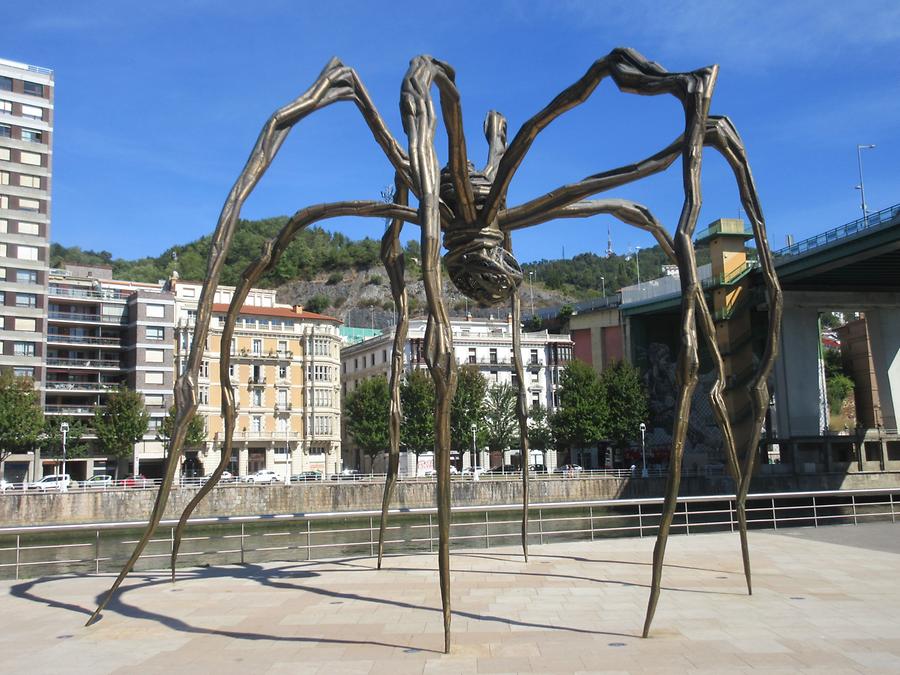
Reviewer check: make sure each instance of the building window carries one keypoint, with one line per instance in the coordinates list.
(154, 355)
(5, 83)
(204, 368)
(29, 228)
(322, 398)
(372, 360)
(153, 399)
(492, 355)
(30, 158)
(23, 348)
(26, 277)
(156, 311)
(282, 372)
(32, 112)
(154, 377)
(33, 88)
(26, 252)
(5, 131)
(27, 325)
(30, 205)
(156, 333)
(282, 398)
(4, 177)
(4, 154)
(356, 364)
(20, 371)
(472, 355)
(256, 398)
(6, 107)
(232, 370)
(320, 347)
(256, 423)
(26, 300)
(534, 357)
(30, 181)
(32, 136)
(203, 395)
(319, 374)
(257, 346)
(282, 346)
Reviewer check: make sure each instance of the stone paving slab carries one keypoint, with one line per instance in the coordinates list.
(818, 606)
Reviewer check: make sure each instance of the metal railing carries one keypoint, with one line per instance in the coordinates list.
(84, 339)
(83, 363)
(61, 385)
(81, 316)
(90, 548)
(108, 294)
(871, 220)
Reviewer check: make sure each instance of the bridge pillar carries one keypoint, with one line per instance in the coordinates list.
(884, 334)
(799, 377)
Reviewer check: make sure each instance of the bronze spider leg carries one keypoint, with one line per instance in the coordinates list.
(640, 216)
(728, 142)
(271, 253)
(392, 257)
(720, 135)
(633, 73)
(336, 83)
(419, 121)
(521, 402)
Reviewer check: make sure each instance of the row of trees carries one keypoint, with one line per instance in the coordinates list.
(592, 410)
(118, 425)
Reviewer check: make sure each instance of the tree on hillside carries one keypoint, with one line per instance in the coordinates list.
(366, 410)
(417, 400)
(467, 407)
(21, 417)
(121, 423)
(626, 399)
(501, 426)
(196, 431)
(582, 416)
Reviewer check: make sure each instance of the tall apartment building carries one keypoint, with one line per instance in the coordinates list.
(485, 343)
(26, 130)
(103, 333)
(285, 368)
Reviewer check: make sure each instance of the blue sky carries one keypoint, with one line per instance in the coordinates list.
(159, 103)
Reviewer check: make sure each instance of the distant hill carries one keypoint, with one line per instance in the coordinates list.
(330, 272)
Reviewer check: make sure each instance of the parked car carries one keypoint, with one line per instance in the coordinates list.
(537, 468)
(58, 481)
(506, 468)
(306, 476)
(6, 485)
(263, 476)
(347, 474)
(138, 481)
(430, 473)
(568, 469)
(103, 482)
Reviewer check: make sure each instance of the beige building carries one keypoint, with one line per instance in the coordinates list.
(285, 368)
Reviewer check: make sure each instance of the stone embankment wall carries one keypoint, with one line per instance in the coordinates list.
(18, 509)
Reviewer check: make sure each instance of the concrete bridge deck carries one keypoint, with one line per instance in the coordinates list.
(825, 600)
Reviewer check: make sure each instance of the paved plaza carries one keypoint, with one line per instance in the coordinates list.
(825, 600)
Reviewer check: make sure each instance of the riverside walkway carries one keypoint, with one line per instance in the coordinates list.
(825, 600)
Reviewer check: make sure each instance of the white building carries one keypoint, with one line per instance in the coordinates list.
(486, 343)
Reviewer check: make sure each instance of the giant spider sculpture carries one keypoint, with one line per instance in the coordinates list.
(469, 207)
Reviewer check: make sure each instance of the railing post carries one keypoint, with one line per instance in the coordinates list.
(18, 548)
(308, 540)
(541, 524)
(774, 515)
(430, 535)
(487, 530)
(591, 511)
(815, 513)
(371, 538)
(687, 521)
(97, 552)
(640, 522)
(853, 502)
(892, 507)
(731, 514)
(242, 543)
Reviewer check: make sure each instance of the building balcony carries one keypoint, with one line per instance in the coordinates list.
(78, 387)
(57, 338)
(250, 435)
(83, 317)
(69, 410)
(55, 291)
(92, 364)
(283, 407)
(257, 381)
(271, 355)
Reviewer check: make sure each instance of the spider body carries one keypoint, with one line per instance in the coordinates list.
(468, 208)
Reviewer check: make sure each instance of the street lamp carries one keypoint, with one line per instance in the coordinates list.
(474, 459)
(531, 279)
(861, 187)
(64, 429)
(644, 473)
